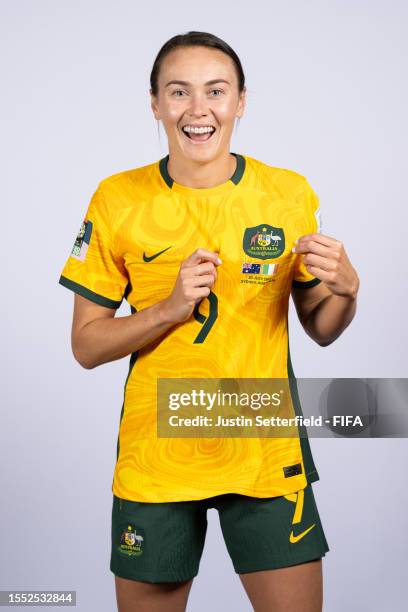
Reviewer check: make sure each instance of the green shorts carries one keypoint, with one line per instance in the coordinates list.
(163, 542)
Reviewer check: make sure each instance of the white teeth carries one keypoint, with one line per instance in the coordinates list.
(198, 130)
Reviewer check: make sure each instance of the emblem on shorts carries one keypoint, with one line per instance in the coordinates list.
(82, 240)
(298, 499)
(264, 241)
(295, 538)
(131, 542)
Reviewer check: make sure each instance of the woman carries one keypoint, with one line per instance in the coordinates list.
(206, 246)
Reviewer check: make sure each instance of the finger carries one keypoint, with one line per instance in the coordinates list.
(204, 268)
(201, 293)
(202, 255)
(324, 263)
(311, 246)
(322, 239)
(205, 280)
(198, 270)
(323, 275)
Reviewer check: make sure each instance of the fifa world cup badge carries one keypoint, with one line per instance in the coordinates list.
(82, 240)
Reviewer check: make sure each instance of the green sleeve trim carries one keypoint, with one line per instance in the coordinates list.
(306, 284)
(87, 293)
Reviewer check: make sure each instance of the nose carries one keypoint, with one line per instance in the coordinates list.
(197, 106)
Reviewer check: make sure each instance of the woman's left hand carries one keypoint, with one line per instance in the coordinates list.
(326, 258)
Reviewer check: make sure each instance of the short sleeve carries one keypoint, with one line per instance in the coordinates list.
(302, 278)
(92, 269)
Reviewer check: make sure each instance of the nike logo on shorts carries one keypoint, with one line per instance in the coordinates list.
(295, 538)
(147, 258)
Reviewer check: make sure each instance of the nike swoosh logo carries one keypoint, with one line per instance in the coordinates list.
(146, 258)
(295, 538)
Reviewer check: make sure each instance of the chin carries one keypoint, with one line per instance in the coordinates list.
(198, 152)
(202, 154)
(207, 155)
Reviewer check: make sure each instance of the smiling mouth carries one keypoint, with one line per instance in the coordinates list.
(198, 134)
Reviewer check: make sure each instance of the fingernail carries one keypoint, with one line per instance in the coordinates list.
(294, 250)
(219, 261)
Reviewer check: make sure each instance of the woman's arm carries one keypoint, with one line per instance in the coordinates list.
(326, 309)
(98, 337)
(324, 316)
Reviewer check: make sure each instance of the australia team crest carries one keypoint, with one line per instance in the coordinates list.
(264, 241)
(131, 541)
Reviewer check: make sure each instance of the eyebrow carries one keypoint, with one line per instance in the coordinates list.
(186, 83)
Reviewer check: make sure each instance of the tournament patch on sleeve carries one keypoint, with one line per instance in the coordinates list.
(81, 243)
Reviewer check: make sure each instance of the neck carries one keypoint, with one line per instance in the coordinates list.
(201, 175)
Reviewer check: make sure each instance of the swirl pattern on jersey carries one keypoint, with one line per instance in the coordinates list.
(143, 230)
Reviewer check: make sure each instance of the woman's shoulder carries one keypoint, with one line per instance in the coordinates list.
(268, 176)
(129, 187)
(281, 183)
(141, 177)
(271, 172)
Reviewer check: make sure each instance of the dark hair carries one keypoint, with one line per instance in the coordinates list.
(195, 39)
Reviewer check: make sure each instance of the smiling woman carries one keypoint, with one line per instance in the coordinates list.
(199, 110)
(201, 245)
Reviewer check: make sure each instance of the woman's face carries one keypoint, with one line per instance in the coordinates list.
(198, 86)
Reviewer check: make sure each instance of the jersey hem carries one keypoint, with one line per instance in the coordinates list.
(88, 293)
(309, 477)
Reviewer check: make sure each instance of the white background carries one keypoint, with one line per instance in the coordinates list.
(327, 97)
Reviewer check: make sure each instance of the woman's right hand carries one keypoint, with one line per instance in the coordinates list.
(196, 277)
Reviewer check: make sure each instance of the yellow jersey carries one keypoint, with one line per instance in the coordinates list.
(139, 227)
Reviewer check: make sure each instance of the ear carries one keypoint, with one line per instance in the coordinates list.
(154, 105)
(241, 103)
